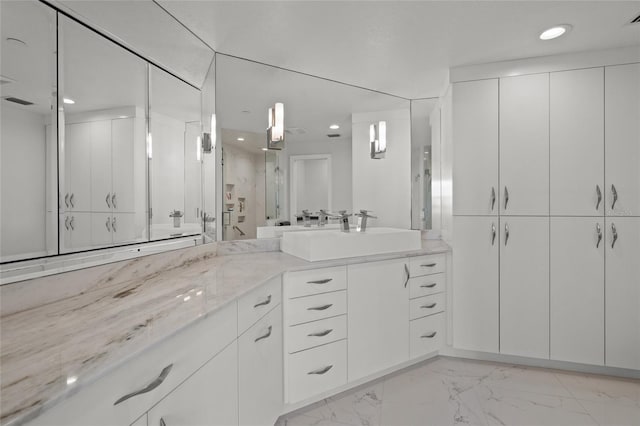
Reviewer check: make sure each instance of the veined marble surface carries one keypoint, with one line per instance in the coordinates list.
(82, 323)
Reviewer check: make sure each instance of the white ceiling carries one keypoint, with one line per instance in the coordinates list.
(401, 47)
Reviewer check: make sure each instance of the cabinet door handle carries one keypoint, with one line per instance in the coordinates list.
(264, 336)
(265, 302)
(506, 197)
(322, 370)
(428, 265)
(107, 199)
(162, 423)
(320, 333)
(493, 234)
(151, 386)
(432, 285)
(599, 195)
(429, 306)
(113, 225)
(324, 281)
(71, 199)
(66, 199)
(614, 232)
(429, 335)
(71, 222)
(113, 201)
(108, 224)
(66, 222)
(506, 233)
(406, 270)
(493, 198)
(614, 193)
(320, 308)
(599, 233)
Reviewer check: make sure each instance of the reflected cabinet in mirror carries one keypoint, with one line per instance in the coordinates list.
(325, 163)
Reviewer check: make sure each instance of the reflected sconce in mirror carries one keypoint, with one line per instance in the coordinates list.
(207, 144)
(198, 148)
(378, 140)
(275, 131)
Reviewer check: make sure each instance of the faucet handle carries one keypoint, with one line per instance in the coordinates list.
(365, 213)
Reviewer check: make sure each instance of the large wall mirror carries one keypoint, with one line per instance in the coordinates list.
(263, 189)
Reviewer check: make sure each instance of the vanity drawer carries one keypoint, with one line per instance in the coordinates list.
(426, 285)
(426, 335)
(319, 306)
(427, 305)
(315, 281)
(426, 265)
(258, 302)
(317, 370)
(305, 336)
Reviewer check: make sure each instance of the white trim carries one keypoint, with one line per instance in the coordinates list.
(293, 181)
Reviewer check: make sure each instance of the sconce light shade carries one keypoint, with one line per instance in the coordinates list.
(214, 134)
(275, 131)
(207, 145)
(378, 140)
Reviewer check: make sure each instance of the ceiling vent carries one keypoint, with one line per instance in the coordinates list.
(635, 20)
(18, 101)
(333, 135)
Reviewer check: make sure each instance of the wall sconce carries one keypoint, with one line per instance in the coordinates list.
(378, 140)
(275, 131)
(199, 149)
(207, 144)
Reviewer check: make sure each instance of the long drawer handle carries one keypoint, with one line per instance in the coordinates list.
(429, 306)
(322, 370)
(320, 333)
(432, 285)
(324, 281)
(428, 265)
(264, 336)
(320, 308)
(599, 195)
(265, 302)
(406, 270)
(429, 335)
(151, 386)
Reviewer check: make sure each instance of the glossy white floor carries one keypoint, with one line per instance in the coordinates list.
(448, 391)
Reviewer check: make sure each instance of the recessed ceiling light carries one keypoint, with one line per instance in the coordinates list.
(265, 149)
(334, 127)
(68, 101)
(240, 139)
(555, 32)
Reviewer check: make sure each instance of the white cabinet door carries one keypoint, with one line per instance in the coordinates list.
(77, 193)
(123, 228)
(524, 145)
(209, 397)
(475, 147)
(123, 155)
(623, 292)
(622, 139)
(101, 229)
(80, 230)
(100, 166)
(260, 354)
(378, 319)
(475, 283)
(577, 289)
(577, 142)
(524, 286)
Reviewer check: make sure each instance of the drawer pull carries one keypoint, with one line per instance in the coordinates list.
(320, 333)
(322, 370)
(320, 308)
(429, 335)
(324, 281)
(162, 422)
(429, 306)
(266, 302)
(151, 386)
(432, 285)
(406, 270)
(428, 265)
(264, 336)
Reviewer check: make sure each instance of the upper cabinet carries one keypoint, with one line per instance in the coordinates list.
(524, 145)
(577, 142)
(622, 140)
(475, 148)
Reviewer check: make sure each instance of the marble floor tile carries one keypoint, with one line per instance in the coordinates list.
(601, 388)
(360, 408)
(535, 380)
(612, 414)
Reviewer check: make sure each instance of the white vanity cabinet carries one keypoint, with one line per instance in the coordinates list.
(378, 316)
(77, 168)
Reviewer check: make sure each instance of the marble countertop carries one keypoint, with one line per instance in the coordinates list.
(126, 308)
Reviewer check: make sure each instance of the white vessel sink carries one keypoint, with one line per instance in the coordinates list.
(278, 231)
(315, 246)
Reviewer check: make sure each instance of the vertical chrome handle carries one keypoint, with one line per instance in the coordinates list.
(599, 194)
(614, 193)
(599, 233)
(162, 423)
(71, 222)
(614, 232)
(108, 224)
(71, 200)
(66, 199)
(506, 197)
(506, 233)
(113, 201)
(107, 199)
(66, 222)
(264, 336)
(493, 197)
(406, 270)
(113, 225)
(493, 234)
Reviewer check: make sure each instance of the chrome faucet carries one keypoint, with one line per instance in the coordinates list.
(344, 220)
(306, 216)
(322, 217)
(362, 220)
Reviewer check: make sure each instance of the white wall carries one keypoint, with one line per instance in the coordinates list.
(383, 186)
(312, 176)
(22, 180)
